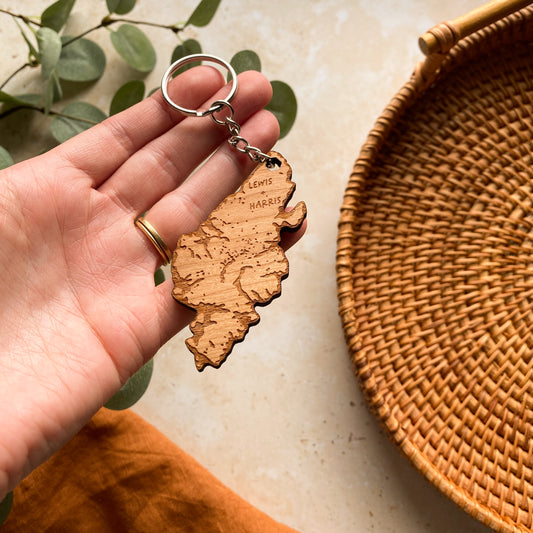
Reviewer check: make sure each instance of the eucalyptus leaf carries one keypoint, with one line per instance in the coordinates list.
(81, 60)
(10, 99)
(56, 86)
(159, 276)
(129, 94)
(53, 92)
(49, 44)
(5, 161)
(283, 105)
(134, 47)
(20, 101)
(49, 94)
(5, 507)
(31, 99)
(245, 60)
(120, 7)
(187, 48)
(75, 118)
(56, 15)
(112, 5)
(133, 389)
(33, 53)
(203, 13)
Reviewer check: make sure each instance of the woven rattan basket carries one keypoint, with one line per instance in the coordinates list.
(435, 266)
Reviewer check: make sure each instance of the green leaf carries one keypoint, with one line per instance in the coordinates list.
(33, 53)
(120, 7)
(284, 106)
(77, 117)
(133, 389)
(49, 44)
(5, 507)
(187, 48)
(159, 276)
(245, 60)
(129, 94)
(203, 13)
(112, 5)
(134, 47)
(5, 161)
(10, 99)
(56, 15)
(81, 60)
(20, 100)
(30, 99)
(53, 92)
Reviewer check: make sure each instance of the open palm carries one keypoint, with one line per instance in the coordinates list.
(79, 312)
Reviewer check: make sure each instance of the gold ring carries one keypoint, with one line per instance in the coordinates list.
(155, 238)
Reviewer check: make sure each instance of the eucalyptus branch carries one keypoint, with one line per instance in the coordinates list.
(24, 18)
(85, 62)
(83, 34)
(65, 115)
(13, 74)
(51, 112)
(12, 110)
(172, 27)
(108, 21)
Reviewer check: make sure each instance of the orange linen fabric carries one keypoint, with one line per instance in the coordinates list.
(120, 474)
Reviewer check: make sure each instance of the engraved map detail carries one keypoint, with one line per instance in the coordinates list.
(234, 261)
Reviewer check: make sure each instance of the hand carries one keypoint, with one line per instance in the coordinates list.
(79, 312)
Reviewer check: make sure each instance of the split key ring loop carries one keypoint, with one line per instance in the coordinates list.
(217, 106)
(240, 144)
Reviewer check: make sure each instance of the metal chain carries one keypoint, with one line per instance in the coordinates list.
(239, 143)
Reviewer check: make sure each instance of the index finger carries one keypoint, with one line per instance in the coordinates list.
(102, 149)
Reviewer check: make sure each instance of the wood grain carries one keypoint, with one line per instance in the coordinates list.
(234, 262)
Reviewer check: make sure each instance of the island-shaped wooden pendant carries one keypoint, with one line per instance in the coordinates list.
(233, 261)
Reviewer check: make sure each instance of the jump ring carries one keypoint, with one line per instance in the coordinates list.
(218, 106)
(190, 59)
(154, 238)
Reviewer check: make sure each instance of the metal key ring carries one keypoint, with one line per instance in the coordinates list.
(190, 59)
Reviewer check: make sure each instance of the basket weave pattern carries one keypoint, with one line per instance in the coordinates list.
(435, 272)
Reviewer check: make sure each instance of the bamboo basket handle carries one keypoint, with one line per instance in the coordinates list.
(441, 38)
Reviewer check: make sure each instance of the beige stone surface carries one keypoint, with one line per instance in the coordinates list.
(283, 422)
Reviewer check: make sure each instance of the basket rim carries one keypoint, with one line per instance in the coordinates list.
(407, 95)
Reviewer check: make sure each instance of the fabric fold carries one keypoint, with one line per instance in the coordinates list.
(120, 474)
